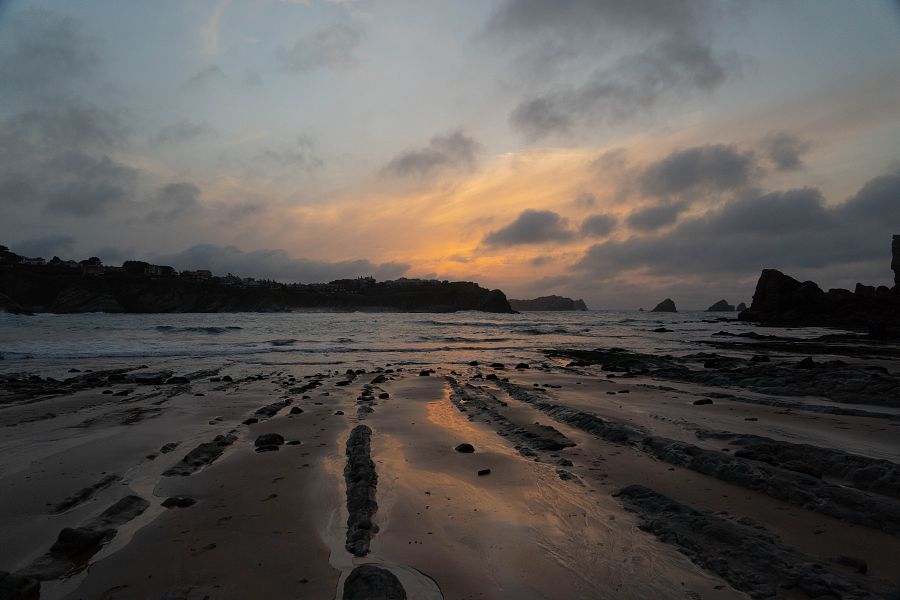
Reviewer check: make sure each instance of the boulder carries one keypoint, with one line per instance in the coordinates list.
(465, 448)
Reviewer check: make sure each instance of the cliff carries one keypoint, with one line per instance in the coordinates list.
(782, 300)
(545, 303)
(60, 289)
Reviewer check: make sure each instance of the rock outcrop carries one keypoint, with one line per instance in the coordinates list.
(721, 306)
(666, 305)
(782, 300)
(548, 303)
(741, 307)
(895, 261)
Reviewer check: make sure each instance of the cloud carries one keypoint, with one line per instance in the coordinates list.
(49, 55)
(46, 247)
(598, 225)
(58, 160)
(792, 229)
(674, 59)
(206, 74)
(585, 200)
(785, 150)
(301, 155)
(86, 186)
(175, 200)
(331, 47)
(701, 168)
(181, 132)
(635, 84)
(531, 227)
(455, 151)
(654, 217)
(276, 264)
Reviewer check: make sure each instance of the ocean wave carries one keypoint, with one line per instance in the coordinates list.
(210, 330)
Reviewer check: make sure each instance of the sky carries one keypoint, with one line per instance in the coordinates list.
(620, 152)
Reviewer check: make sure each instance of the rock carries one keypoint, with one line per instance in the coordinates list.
(702, 402)
(895, 261)
(484, 472)
(425, 372)
(860, 565)
(296, 410)
(759, 358)
(548, 303)
(178, 502)
(741, 307)
(498, 365)
(522, 366)
(338, 413)
(662, 330)
(150, 378)
(202, 455)
(383, 396)
(369, 582)
(269, 439)
(166, 448)
(361, 482)
(251, 421)
(473, 363)
(227, 378)
(19, 587)
(666, 305)
(806, 363)
(177, 381)
(465, 448)
(721, 306)
(564, 462)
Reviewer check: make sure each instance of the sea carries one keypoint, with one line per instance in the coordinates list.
(352, 340)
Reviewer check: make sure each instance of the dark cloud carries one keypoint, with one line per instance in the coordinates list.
(48, 55)
(86, 186)
(635, 84)
(794, 229)
(540, 261)
(175, 200)
(655, 216)
(785, 150)
(598, 225)
(276, 264)
(182, 132)
(701, 168)
(531, 227)
(46, 247)
(674, 59)
(331, 47)
(57, 160)
(452, 152)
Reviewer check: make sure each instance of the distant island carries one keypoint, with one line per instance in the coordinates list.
(30, 285)
(547, 303)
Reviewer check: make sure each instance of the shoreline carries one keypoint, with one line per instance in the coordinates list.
(583, 451)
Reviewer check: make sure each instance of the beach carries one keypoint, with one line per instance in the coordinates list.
(612, 455)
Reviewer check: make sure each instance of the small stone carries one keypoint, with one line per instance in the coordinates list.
(178, 502)
(269, 439)
(484, 472)
(465, 448)
(702, 401)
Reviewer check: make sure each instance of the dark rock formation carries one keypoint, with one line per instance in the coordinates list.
(782, 300)
(666, 305)
(60, 289)
(361, 480)
(721, 306)
(369, 582)
(201, 456)
(465, 448)
(548, 303)
(741, 551)
(895, 261)
(85, 494)
(741, 307)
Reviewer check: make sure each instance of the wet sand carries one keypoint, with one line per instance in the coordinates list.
(545, 522)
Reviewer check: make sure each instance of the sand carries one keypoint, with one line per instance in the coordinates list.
(544, 523)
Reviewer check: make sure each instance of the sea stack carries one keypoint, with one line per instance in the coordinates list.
(895, 261)
(721, 306)
(741, 307)
(666, 305)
